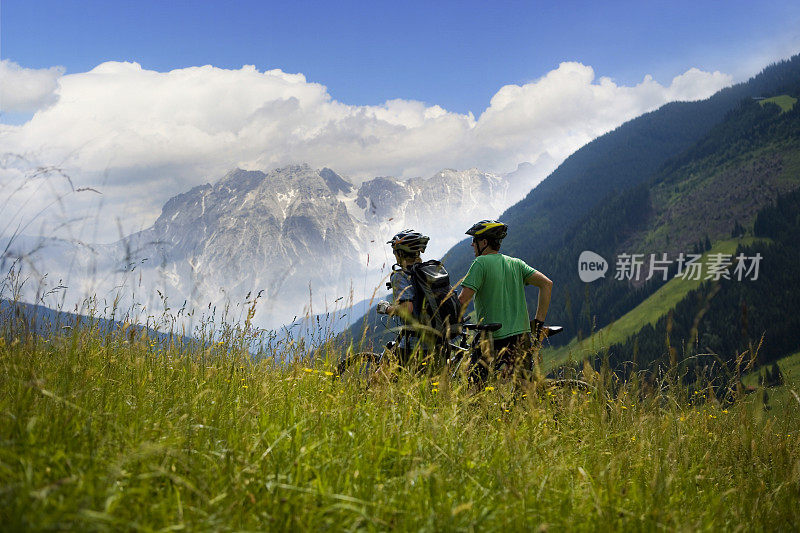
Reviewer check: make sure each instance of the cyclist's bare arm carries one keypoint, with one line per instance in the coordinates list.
(464, 298)
(537, 279)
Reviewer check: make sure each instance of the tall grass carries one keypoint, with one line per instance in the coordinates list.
(109, 430)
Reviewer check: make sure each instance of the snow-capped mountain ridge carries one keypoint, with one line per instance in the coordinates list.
(303, 236)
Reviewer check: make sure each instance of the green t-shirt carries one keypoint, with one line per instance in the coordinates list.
(499, 285)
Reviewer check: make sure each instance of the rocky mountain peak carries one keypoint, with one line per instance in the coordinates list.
(335, 182)
(296, 228)
(238, 179)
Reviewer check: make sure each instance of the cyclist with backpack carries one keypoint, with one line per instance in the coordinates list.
(407, 247)
(497, 282)
(423, 298)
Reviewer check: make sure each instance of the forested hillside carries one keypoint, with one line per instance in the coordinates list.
(716, 323)
(712, 192)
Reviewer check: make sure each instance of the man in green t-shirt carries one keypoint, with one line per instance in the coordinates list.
(497, 282)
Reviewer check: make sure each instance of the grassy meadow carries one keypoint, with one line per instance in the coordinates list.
(784, 101)
(110, 431)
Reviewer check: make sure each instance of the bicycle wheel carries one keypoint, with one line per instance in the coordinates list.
(565, 383)
(360, 366)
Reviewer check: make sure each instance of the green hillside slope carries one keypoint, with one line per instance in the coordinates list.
(649, 312)
(710, 192)
(727, 325)
(789, 367)
(784, 101)
(715, 189)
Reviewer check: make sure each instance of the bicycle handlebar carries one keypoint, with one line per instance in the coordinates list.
(548, 331)
(492, 326)
(417, 328)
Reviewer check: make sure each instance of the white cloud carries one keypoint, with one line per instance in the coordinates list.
(569, 107)
(687, 85)
(24, 90)
(142, 136)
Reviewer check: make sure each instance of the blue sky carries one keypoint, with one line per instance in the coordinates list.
(454, 54)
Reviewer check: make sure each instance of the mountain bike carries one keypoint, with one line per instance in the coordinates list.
(449, 352)
(366, 364)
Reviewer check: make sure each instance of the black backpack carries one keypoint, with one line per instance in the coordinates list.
(435, 297)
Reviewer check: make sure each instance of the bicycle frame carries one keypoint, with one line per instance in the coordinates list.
(451, 353)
